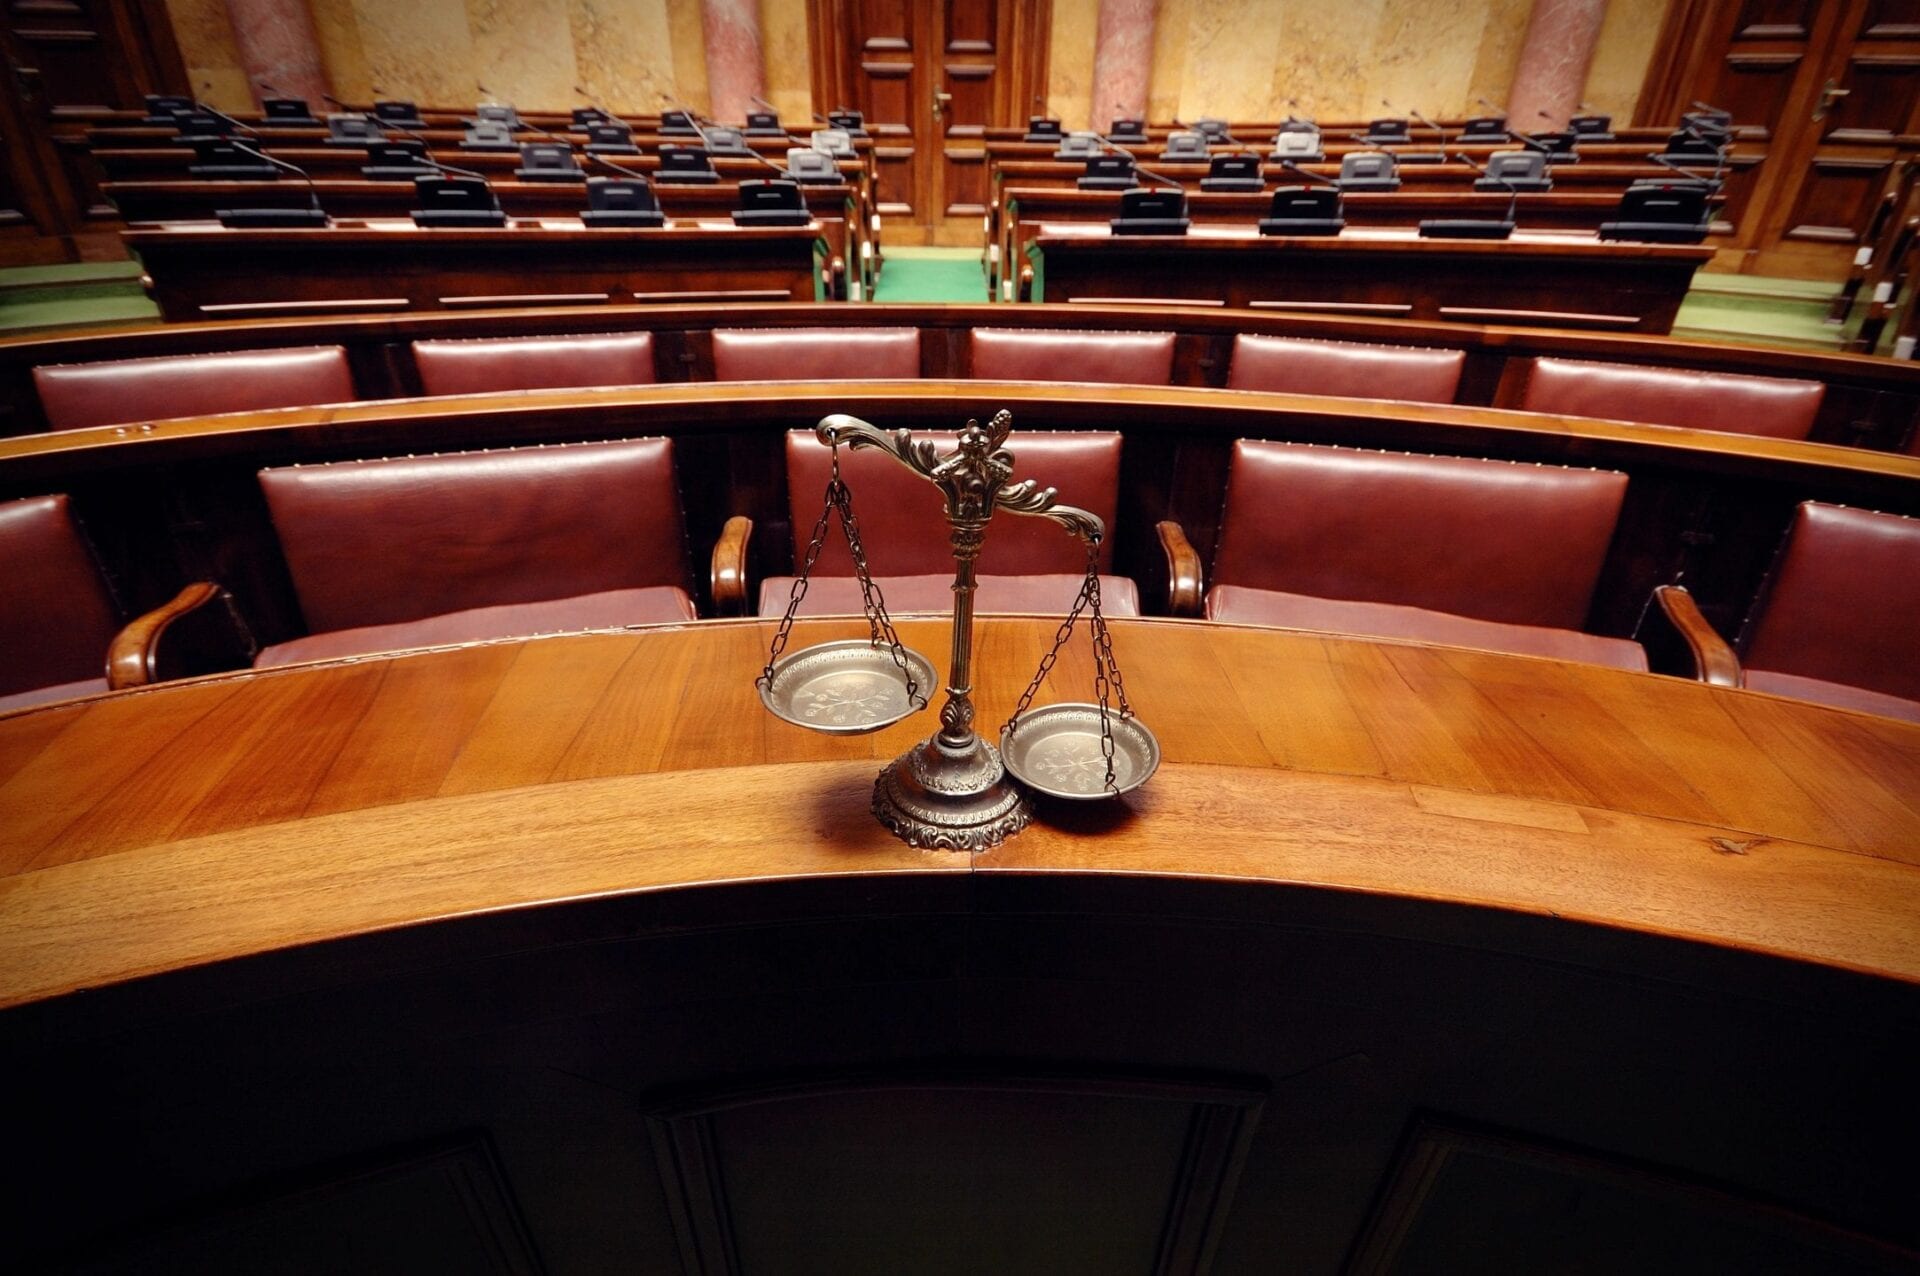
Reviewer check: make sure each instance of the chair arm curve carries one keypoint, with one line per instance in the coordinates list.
(1713, 660)
(133, 656)
(1186, 589)
(729, 579)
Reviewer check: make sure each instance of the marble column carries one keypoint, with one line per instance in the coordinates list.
(1122, 61)
(278, 47)
(1552, 72)
(735, 74)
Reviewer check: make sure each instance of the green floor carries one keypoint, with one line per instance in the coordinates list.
(1743, 308)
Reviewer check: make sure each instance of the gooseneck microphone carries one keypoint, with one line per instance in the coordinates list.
(1139, 168)
(1476, 227)
(1297, 171)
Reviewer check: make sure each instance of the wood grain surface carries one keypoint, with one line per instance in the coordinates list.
(165, 828)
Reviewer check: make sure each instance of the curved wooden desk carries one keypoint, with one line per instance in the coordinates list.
(1392, 925)
(192, 822)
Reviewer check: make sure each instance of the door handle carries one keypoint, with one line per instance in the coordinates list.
(940, 101)
(1830, 95)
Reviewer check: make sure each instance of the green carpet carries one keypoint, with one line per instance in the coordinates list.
(86, 294)
(931, 274)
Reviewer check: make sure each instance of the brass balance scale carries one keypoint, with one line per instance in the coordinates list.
(954, 791)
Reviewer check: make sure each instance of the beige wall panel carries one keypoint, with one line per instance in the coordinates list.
(623, 54)
(1169, 59)
(1627, 40)
(421, 50)
(685, 69)
(1325, 60)
(1423, 57)
(1231, 46)
(1493, 67)
(1076, 26)
(341, 53)
(783, 46)
(208, 49)
(523, 51)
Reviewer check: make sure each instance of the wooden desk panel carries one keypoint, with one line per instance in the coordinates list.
(211, 272)
(186, 823)
(1533, 279)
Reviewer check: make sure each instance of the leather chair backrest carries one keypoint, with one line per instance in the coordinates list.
(902, 516)
(1041, 354)
(1844, 602)
(75, 396)
(1352, 369)
(1495, 540)
(1772, 406)
(485, 365)
(816, 354)
(59, 616)
(382, 542)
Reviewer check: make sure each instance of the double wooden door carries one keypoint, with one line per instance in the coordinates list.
(1825, 95)
(931, 76)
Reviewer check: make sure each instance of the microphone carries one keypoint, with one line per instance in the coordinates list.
(224, 118)
(1475, 227)
(1297, 171)
(269, 218)
(1139, 168)
(1688, 175)
(1535, 143)
(693, 121)
(1439, 132)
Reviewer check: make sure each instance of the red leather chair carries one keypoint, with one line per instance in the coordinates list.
(1837, 621)
(1772, 406)
(816, 354)
(59, 617)
(485, 365)
(1045, 354)
(422, 551)
(1434, 548)
(75, 396)
(1028, 564)
(1350, 369)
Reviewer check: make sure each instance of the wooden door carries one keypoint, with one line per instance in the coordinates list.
(931, 76)
(71, 64)
(1824, 96)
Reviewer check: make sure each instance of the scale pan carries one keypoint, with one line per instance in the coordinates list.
(1056, 750)
(846, 688)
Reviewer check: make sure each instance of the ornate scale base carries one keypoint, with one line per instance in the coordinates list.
(941, 798)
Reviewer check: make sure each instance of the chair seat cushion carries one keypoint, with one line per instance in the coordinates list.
(656, 605)
(1047, 595)
(47, 695)
(1243, 605)
(1838, 694)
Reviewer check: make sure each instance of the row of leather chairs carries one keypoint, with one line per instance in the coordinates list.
(76, 396)
(525, 541)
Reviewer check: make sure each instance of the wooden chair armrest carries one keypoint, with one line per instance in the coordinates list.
(1025, 292)
(837, 279)
(1186, 591)
(134, 658)
(1710, 656)
(729, 581)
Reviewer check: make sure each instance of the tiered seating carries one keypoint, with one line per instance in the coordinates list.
(1292, 365)
(482, 365)
(1436, 549)
(76, 396)
(815, 354)
(1114, 358)
(1027, 565)
(464, 547)
(1775, 406)
(59, 616)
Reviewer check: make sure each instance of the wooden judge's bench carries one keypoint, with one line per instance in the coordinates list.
(562, 955)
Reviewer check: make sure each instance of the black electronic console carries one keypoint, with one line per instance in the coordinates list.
(1660, 213)
(287, 112)
(677, 124)
(764, 124)
(585, 115)
(217, 159)
(622, 201)
(853, 122)
(456, 202)
(399, 161)
(611, 138)
(162, 107)
(1591, 128)
(349, 129)
(1234, 173)
(770, 203)
(1042, 129)
(1304, 210)
(1128, 131)
(1109, 173)
(1152, 212)
(273, 218)
(683, 166)
(398, 114)
(1476, 227)
(1465, 228)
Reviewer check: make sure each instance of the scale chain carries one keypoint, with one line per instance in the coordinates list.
(1106, 671)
